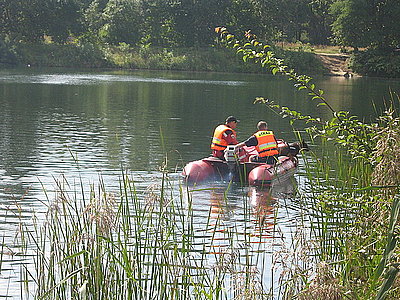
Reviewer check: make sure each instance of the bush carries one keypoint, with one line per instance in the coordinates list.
(303, 62)
(7, 53)
(376, 63)
(53, 55)
(211, 59)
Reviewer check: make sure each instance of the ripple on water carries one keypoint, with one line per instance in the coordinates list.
(91, 79)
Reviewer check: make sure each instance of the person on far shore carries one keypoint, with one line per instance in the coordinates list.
(266, 145)
(224, 135)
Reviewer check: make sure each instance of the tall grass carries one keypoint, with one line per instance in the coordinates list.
(102, 245)
(353, 225)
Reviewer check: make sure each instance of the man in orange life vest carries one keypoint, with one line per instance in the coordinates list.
(265, 143)
(224, 135)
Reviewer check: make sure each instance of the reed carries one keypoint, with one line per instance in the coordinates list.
(134, 245)
(101, 245)
(353, 230)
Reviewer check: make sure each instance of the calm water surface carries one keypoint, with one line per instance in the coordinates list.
(87, 125)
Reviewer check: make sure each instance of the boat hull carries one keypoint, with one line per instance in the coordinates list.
(255, 174)
(244, 171)
(198, 171)
(267, 175)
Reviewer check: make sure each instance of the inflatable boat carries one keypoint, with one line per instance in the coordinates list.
(238, 167)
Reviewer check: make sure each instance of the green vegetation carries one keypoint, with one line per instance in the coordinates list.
(128, 248)
(355, 210)
(120, 247)
(366, 23)
(376, 63)
(123, 56)
(135, 245)
(126, 245)
(163, 34)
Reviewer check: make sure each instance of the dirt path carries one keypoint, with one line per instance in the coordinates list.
(335, 63)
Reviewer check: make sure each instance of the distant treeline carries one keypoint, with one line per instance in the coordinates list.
(172, 24)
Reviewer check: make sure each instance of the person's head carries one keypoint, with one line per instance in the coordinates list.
(262, 125)
(231, 122)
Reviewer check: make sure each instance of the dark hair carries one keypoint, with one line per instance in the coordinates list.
(231, 119)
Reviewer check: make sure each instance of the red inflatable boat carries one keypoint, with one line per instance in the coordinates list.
(237, 166)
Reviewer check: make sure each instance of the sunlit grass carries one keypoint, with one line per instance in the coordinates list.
(350, 223)
(121, 245)
(328, 49)
(130, 245)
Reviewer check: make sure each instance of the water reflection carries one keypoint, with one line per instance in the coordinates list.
(262, 203)
(90, 79)
(88, 126)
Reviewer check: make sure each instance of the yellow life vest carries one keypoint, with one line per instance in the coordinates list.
(218, 143)
(267, 145)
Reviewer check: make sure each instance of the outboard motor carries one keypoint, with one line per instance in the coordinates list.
(231, 157)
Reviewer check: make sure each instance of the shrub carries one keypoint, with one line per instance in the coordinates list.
(376, 63)
(7, 53)
(53, 55)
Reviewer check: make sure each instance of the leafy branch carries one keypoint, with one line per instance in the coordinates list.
(252, 49)
(343, 128)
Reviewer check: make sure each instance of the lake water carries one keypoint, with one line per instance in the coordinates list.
(86, 125)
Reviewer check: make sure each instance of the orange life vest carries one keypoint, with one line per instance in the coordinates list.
(218, 143)
(267, 145)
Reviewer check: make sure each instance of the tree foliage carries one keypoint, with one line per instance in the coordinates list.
(184, 23)
(357, 137)
(366, 23)
(121, 22)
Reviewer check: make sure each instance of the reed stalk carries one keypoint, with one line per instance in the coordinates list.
(101, 245)
(353, 230)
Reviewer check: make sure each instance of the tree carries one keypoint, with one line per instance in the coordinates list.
(63, 19)
(319, 26)
(121, 22)
(159, 17)
(244, 15)
(23, 20)
(92, 20)
(31, 20)
(196, 19)
(284, 18)
(366, 23)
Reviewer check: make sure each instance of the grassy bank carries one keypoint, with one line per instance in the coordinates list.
(365, 62)
(212, 59)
